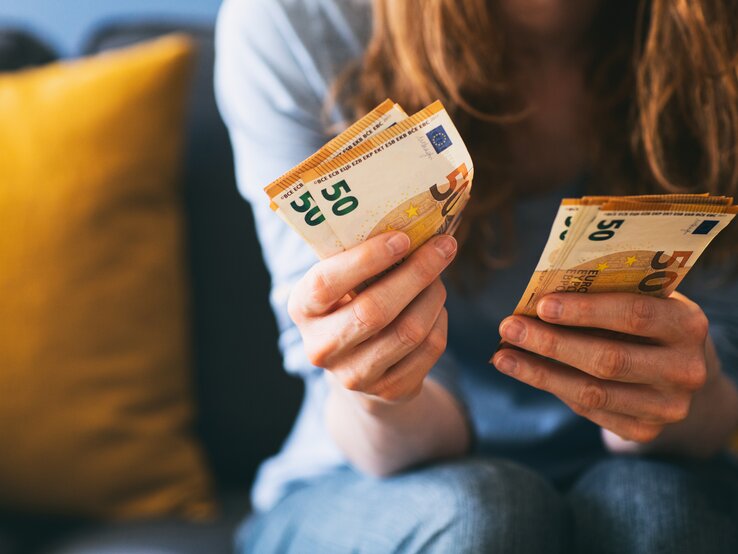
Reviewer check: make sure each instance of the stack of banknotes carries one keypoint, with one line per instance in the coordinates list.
(386, 172)
(638, 244)
(390, 171)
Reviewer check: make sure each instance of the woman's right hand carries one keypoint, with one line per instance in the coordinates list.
(384, 341)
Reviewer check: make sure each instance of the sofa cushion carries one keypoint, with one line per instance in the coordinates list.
(246, 403)
(94, 359)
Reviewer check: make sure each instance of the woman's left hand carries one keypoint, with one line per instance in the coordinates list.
(625, 384)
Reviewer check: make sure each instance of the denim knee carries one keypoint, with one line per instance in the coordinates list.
(491, 506)
(640, 505)
(468, 506)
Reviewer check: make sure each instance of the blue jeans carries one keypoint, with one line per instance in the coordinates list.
(620, 505)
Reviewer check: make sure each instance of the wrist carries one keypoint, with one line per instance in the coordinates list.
(380, 438)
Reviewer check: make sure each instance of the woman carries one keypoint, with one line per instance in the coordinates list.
(408, 440)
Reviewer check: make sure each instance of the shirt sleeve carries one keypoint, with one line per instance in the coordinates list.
(271, 103)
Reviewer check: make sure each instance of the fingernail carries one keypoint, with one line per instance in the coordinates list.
(446, 246)
(513, 330)
(398, 243)
(550, 308)
(506, 364)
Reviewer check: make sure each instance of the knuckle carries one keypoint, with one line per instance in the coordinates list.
(319, 354)
(385, 385)
(641, 316)
(697, 325)
(644, 433)
(548, 344)
(593, 396)
(436, 342)
(369, 314)
(613, 362)
(579, 409)
(439, 292)
(368, 257)
(411, 332)
(320, 289)
(353, 381)
(425, 270)
(414, 392)
(390, 393)
(677, 410)
(399, 392)
(694, 374)
(538, 377)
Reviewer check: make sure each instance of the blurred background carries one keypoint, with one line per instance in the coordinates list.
(67, 24)
(140, 379)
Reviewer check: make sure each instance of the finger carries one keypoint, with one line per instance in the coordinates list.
(604, 358)
(663, 319)
(396, 341)
(330, 280)
(404, 381)
(626, 427)
(364, 364)
(573, 386)
(378, 306)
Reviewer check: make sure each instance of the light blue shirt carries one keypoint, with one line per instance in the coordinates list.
(276, 62)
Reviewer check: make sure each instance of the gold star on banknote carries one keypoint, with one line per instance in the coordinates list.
(389, 228)
(602, 267)
(412, 211)
(631, 260)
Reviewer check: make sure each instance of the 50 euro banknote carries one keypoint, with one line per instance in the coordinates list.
(295, 204)
(414, 177)
(635, 244)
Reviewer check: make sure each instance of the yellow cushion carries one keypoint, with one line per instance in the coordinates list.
(95, 392)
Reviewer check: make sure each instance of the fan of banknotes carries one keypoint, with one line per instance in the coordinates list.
(414, 174)
(386, 172)
(643, 244)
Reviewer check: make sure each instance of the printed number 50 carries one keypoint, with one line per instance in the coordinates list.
(342, 205)
(606, 229)
(313, 217)
(661, 279)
